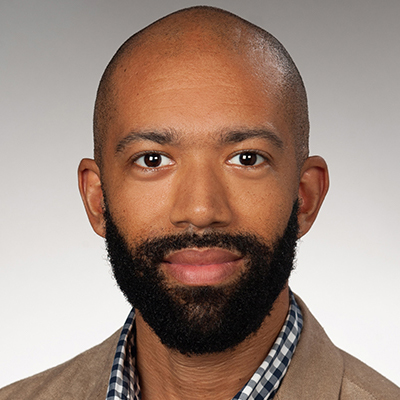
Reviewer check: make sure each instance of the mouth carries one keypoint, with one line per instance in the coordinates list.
(199, 267)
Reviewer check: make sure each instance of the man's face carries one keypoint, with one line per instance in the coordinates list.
(198, 143)
(197, 146)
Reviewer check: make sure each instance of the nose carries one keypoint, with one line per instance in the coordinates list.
(200, 199)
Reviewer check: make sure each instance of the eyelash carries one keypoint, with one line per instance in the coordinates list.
(134, 160)
(257, 153)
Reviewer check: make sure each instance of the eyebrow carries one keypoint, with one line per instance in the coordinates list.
(164, 137)
(170, 137)
(238, 136)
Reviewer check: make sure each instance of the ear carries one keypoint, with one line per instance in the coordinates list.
(314, 184)
(91, 193)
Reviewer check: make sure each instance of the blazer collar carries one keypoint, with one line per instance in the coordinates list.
(317, 367)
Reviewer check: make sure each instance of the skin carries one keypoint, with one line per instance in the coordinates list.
(202, 97)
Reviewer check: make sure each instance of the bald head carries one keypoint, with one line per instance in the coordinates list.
(198, 31)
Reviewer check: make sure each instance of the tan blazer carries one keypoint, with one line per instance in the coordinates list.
(318, 371)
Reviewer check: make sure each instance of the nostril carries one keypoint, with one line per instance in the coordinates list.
(200, 212)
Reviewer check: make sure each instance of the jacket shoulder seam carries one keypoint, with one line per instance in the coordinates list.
(351, 382)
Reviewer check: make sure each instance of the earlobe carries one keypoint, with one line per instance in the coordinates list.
(314, 184)
(91, 193)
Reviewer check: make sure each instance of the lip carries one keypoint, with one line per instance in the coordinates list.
(195, 267)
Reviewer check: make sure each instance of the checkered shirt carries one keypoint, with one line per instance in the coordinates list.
(124, 380)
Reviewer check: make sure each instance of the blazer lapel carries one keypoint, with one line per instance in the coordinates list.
(317, 367)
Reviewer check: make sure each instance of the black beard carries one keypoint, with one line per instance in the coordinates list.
(202, 319)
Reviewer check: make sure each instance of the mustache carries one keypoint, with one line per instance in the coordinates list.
(153, 250)
(157, 248)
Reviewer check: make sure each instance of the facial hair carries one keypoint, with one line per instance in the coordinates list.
(198, 320)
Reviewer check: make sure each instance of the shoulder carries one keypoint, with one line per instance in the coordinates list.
(362, 382)
(83, 377)
(320, 370)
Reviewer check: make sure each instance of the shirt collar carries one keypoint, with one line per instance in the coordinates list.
(124, 379)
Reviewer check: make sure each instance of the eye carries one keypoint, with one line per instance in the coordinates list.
(153, 160)
(247, 159)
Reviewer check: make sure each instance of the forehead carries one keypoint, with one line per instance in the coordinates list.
(197, 91)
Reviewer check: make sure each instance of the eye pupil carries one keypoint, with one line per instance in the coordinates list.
(248, 158)
(152, 160)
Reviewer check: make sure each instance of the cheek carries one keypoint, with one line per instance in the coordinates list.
(262, 208)
(140, 209)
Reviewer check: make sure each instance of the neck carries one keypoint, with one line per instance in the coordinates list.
(211, 376)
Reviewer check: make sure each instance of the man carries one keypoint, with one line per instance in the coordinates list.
(201, 185)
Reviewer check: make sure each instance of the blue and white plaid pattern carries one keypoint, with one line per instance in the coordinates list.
(124, 381)
(266, 380)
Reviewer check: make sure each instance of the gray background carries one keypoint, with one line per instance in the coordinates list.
(57, 295)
